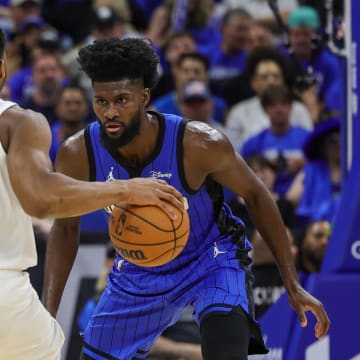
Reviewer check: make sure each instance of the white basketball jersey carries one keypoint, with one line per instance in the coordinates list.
(17, 243)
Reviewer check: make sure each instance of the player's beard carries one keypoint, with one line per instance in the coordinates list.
(128, 135)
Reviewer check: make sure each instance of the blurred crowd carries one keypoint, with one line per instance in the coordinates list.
(269, 74)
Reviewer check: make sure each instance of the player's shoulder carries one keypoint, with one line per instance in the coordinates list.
(200, 137)
(16, 114)
(74, 143)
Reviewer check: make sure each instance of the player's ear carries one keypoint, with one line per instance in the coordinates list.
(146, 97)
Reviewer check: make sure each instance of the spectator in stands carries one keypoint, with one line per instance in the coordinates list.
(268, 284)
(20, 47)
(238, 88)
(199, 105)
(20, 82)
(72, 18)
(48, 78)
(179, 43)
(317, 72)
(259, 36)
(261, 11)
(190, 66)
(73, 111)
(266, 67)
(106, 23)
(316, 190)
(229, 59)
(266, 172)
(20, 10)
(191, 16)
(281, 143)
(312, 245)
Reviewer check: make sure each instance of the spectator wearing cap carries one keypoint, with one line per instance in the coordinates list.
(189, 67)
(318, 73)
(199, 105)
(281, 143)
(265, 67)
(316, 190)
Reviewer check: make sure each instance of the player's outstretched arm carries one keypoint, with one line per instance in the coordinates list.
(45, 193)
(215, 157)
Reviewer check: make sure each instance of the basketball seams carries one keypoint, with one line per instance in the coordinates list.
(131, 228)
(152, 224)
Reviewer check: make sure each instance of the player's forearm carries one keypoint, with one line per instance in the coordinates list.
(60, 255)
(261, 206)
(59, 196)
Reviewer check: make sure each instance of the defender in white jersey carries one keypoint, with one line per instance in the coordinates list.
(30, 187)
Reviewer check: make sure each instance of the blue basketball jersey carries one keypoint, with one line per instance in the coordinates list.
(211, 273)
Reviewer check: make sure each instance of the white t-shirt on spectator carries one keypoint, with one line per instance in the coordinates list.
(248, 118)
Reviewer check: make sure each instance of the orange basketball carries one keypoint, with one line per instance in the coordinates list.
(146, 236)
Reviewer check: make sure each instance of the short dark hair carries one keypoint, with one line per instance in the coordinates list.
(275, 94)
(195, 56)
(261, 160)
(235, 12)
(265, 53)
(75, 86)
(2, 43)
(115, 59)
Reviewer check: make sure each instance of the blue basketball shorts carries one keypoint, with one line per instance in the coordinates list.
(126, 322)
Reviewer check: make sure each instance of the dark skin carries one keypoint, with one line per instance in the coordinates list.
(206, 153)
(25, 136)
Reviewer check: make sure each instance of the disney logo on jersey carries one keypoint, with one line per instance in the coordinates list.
(110, 177)
(160, 175)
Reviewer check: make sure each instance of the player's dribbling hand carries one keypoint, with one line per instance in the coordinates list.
(302, 302)
(149, 191)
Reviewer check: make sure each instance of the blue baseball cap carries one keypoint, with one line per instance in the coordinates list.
(304, 16)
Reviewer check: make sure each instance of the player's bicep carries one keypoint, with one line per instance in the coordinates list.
(72, 159)
(231, 171)
(28, 152)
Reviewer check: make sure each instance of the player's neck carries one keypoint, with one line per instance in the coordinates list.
(138, 151)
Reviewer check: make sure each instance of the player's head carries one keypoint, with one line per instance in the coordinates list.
(2, 58)
(122, 73)
(115, 59)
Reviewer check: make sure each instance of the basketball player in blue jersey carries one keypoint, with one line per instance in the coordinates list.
(212, 273)
(30, 187)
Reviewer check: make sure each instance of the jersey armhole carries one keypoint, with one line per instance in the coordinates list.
(180, 156)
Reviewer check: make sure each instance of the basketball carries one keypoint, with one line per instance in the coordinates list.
(146, 236)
